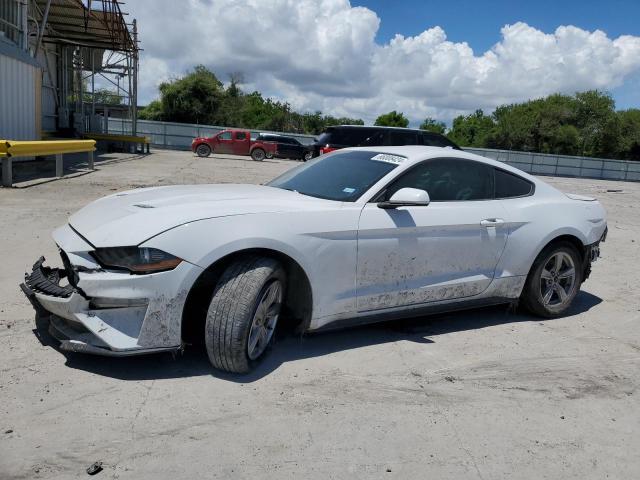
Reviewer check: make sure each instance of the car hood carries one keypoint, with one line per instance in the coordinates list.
(131, 217)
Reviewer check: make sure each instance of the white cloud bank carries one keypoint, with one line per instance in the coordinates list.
(322, 55)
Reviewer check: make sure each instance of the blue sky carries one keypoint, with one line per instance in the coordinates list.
(478, 22)
(455, 56)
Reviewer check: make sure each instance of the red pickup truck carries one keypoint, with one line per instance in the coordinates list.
(234, 142)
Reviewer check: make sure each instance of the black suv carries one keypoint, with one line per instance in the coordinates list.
(288, 147)
(342, 136)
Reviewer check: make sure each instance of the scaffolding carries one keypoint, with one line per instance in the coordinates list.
(89, 54)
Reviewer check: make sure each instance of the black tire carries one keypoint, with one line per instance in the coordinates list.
(232, 309)
(269, 155)
(307, 156)
(532, 296)
(258, 154)
(203, 150)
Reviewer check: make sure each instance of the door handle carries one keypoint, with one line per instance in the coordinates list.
(491, 222)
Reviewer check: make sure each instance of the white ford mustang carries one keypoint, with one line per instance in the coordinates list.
(358, 235)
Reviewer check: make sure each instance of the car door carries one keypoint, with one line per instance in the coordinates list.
(446, 250)
(297, 149)
(225, 143)
(284, 147)
(241, 143)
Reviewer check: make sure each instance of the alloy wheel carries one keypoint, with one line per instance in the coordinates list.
(264, 320)
(557, 279)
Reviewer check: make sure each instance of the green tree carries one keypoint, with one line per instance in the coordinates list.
(153, 111)
(566, 140)
(392, 119)
(543, 125)
(433, 125)
(232, 104)
(629, 134)
(104, 96)
(194, 98)
(313, 122)
(472, 130)
(199, 97)
(597, 122)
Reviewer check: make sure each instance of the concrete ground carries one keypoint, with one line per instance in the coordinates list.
(486, 394)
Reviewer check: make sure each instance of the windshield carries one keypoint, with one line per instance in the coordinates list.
(341, 176)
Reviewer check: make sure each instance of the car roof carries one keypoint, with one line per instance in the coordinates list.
(380, 127)
(418, 153)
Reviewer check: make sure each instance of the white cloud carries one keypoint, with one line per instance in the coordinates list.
(322, 55)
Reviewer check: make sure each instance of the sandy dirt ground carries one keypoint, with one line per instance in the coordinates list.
(487, 394)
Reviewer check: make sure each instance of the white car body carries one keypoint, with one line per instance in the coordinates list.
(362, 262)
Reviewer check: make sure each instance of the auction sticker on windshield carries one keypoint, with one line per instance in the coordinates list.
(385, 157)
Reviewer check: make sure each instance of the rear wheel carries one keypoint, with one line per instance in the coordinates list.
(244, 312)
(554, 281)
(258, 154)
(307, 156)
(203, 150)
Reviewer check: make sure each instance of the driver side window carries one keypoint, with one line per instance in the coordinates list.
(225, 136)
(448, 180)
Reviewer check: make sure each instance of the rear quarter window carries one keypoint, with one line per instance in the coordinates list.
(509, 185)
(403, 137)
(432, 140)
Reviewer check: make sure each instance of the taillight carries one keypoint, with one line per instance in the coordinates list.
(326, 149)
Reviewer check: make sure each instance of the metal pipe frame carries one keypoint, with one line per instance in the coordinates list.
(72, 74)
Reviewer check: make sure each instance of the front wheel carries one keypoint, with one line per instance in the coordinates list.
(203, 150)
(258, 154)
(554, 281)
(244, 312)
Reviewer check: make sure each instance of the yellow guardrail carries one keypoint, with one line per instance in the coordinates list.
(42, 148)
(117, 138)
(48, 147)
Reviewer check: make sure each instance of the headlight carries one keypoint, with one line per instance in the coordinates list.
(136, 259)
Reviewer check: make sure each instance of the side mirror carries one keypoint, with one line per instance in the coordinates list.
(406, 197)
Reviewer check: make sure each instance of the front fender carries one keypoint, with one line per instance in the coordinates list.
(206, 241)
(328, 258)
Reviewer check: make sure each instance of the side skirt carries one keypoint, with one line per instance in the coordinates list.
(413, 312)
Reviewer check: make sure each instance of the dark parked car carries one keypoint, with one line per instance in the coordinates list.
(288, 147)
(341, 136)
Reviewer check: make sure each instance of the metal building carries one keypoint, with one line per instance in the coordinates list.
(65, 66)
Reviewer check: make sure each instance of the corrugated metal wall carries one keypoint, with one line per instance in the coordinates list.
(48, 59)
(18, 107)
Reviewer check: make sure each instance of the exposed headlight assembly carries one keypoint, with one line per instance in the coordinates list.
(136, 259)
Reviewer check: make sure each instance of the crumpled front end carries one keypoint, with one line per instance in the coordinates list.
(96, 310)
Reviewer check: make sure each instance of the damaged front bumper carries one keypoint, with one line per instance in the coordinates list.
(114, 313)
(592, 253)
